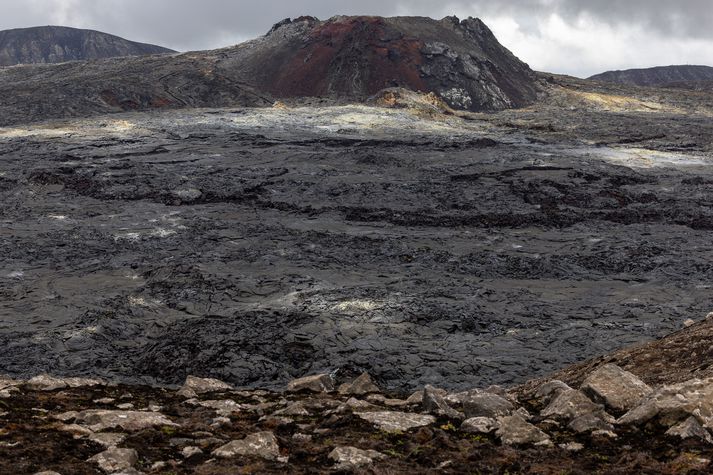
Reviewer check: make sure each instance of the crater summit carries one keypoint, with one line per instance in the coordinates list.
(355, 57)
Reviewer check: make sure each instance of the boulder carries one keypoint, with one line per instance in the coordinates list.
(114, 459)
(514, 430)
(690, 429)
(549, 390)
(417, 397)
(433, 403)
(487, 405)
(569, 405)
(45, 382)
(99, 420)
(457, 399)
(348, 458)
(319, 383)
(295, 409)
(479, 425)
(396, 421)
(674, 403)
(589, 423)
(194, 386)
(617, 389)
(360, 386)
(191, 451)
(107, 439)
(261, 444)
(224, 407)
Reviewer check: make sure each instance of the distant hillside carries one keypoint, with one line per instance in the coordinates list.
(658, 76)
(58, 44)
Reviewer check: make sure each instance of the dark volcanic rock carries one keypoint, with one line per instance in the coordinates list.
(658, 76)
(58, 44)
(355, 57)
(343, 59)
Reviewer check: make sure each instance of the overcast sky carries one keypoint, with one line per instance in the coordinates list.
(578, 37)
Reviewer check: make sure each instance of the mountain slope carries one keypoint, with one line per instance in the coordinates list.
(58, 44)
(355, 57)
(658, 76)
(344, 59)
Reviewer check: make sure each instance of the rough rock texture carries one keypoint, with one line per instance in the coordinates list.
(99, 419)
(360, 386)
(689, 428)
(258, 439)
(261, 444)
(114, 460)
(435, 404)
(514, 430)
(673, 403)
(58, 44)
(318, 383)
(568, 405)
(393, 421)
(487, 405)
(479, 425)
(617, 389)
(195, 385)
(351, 457)
(661, 76)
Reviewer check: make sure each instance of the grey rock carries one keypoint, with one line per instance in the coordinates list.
(360, 386)
(224, 407)
(457, 399)
(354, 404)
(674, 403)
(549, 390)
(604, 433)
(434, 403)
(99, 420)
(572, 447)
(191, 451)
(479, 425)
(114, 459)
(690, 429)
(295, 409)
(261, 444)
(487, 405)
(107, 439)
(396, 421)
(194, 386)
(514, 430)
(417, 397)
(589, 422)
(6, 383)
(617, 389)
(570, 404)
(48, 473)
(318, 383)
(351, 457)
(45, 382)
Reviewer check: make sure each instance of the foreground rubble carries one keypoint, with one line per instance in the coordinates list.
(208, 427)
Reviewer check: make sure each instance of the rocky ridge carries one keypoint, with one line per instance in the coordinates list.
(58, 44)
(613, 422)
(660, 76)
